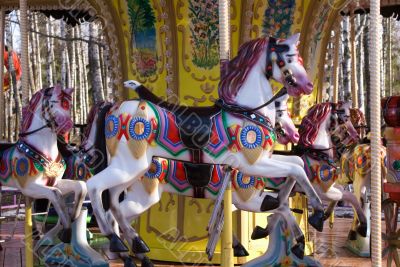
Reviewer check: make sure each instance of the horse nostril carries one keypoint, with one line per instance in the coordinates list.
(310, 84)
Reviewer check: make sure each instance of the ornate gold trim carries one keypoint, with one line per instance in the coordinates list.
(179, 5)
(194, 202)
(196, 100)
(233, 10)
(199, 79)
(301, 11)
(257, 8)
(213, 79)
(256, 30)
(207, 88)
(185, 57)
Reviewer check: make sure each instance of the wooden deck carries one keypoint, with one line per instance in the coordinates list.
(330, 247)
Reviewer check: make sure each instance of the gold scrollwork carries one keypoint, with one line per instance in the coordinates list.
(212, 98)
(207, 88)
(213, 79)
(256, 30)
(179, 5)
(161, 59)
(233, 10)
(301, 12)
(171, 201)
(201, 79)
(210, 207)
(185, 57)
(257, 8)
(196, 203)
(155, 78)
(196, 101)
(158, 8)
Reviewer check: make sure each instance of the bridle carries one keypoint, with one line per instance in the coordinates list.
(50, 122)
(278, 49)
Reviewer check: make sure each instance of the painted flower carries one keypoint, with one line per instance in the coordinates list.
(286, 262)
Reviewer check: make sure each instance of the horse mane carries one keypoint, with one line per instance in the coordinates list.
(29, 110)
(311, 123)
(239, 68)
(357, 117)
(101, 161)
(90, 119)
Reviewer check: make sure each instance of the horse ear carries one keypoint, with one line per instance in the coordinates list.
(69, 91)
(57, 89)
(293, 40)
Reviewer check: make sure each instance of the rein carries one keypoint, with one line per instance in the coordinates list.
(36, 155)
(45, 108)
(252, 114)
(273, 46)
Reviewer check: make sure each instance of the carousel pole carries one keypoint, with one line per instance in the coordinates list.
(374, 52)
(224, 46)
(2, 24)
(354, 85)
(23, 7)
(336, 65)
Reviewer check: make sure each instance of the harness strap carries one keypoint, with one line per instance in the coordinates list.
(36, 155)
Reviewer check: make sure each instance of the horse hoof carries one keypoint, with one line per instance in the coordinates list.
(146, 262)
(317, 220)
(239, 250)
(298, 250)
(326, 216)
(129, 262)
(139, 246)
(259, 233)
(362, 229)
(269, 203)
(116, 244)
(352, 235)
(65, 235)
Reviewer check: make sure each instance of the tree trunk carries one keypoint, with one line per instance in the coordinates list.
(367, 78)
(38, 57)
(49, 58)
(94, 65)
(63, 55)
(360, 64)
(346, 58)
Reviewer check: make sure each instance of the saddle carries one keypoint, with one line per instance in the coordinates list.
(195, 125)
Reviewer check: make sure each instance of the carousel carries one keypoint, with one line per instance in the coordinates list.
(166, 133)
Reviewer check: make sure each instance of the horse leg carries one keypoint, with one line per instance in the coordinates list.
(54, 195)
(275, 168)
(363, 227)
(330, 209)
(135, 203)
(138, 245)
(79, 188)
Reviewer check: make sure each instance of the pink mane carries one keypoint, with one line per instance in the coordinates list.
(311, 123)
(357, 117)
(239, 68)
(29, 111)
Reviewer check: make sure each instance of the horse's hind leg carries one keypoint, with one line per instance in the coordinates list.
(363, 227)
(54, 195)
(80, 191)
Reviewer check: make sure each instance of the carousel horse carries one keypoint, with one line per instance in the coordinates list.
(172, 177)
(325, 133)
(34, 165)
(237, 131)
(356, 169)
(82, 165)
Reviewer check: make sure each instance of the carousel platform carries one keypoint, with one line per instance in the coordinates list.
(330, 247)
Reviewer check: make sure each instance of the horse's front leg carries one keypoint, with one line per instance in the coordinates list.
(79, 189)
(273, 168)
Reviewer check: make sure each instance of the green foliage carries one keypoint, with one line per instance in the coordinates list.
(204, 30)
(278, 18)
(141, 15)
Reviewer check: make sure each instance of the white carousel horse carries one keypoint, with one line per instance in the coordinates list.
(325, 133)
(238, 132)
(88, 160)
(34, 165)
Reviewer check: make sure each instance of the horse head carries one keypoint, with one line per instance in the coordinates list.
(285, 129)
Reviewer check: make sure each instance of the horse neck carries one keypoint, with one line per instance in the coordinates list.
(257, 90)
(323, 139)
(44, 140)
(90, 140)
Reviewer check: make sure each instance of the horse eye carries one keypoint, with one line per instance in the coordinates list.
(289, 61)
(65, 104)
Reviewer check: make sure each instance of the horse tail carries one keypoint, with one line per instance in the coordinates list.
(101, 161)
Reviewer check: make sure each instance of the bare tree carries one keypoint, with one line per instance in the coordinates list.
(94, 66)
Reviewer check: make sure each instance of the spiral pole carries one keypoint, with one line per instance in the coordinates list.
(23, 9)
(374, 47)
